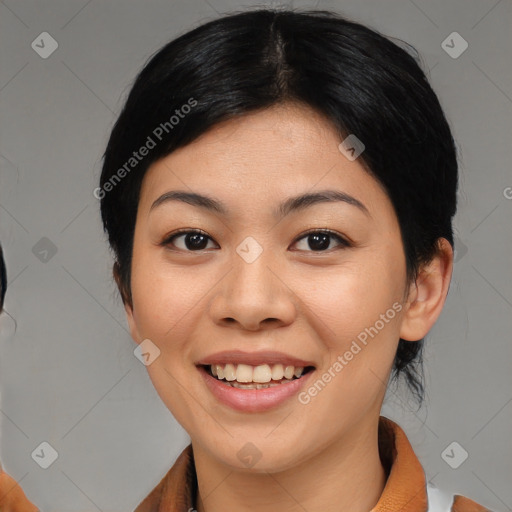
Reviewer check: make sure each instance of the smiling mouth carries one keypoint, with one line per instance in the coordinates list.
(244, 376)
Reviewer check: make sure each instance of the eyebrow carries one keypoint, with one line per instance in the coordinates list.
(292, 204)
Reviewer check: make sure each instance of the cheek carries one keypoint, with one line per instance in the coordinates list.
(352, 297)
(169, 306)
(161, 299)
(165, 311)
(358, 308)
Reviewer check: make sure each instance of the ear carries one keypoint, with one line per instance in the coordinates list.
(127, 302)
(134, 332)
(427, 294)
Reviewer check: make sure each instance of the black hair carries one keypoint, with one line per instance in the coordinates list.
(3, 279)
(358, 79)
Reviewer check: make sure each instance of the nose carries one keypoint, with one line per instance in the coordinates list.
(253, 297)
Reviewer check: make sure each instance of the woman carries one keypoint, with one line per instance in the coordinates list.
(278, 192)
(12, 497)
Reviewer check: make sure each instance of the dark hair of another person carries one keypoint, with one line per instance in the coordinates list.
(3, 279)
(359, 80)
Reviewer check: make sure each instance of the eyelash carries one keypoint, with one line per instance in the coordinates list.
(342, 241)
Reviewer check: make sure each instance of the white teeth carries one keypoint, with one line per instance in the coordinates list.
(261, 374)
(288, 372)
(277, 372)
(244, 373)
(229, 372)
(254, 385)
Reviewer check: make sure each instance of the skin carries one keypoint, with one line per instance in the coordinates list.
(295, 298)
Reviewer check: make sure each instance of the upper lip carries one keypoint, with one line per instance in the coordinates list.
(269, 357)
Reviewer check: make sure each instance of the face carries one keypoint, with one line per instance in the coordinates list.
(257, 279)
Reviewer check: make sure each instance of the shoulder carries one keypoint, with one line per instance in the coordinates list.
(443, 501)
(12, 497)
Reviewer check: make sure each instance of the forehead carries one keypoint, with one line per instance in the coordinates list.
(261, 158)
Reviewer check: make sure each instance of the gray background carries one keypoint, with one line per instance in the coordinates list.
(68, 373)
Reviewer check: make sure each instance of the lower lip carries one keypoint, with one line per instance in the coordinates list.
(253, 400)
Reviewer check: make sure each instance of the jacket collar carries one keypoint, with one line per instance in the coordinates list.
(405, 489)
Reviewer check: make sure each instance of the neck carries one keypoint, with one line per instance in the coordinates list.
(346, 475)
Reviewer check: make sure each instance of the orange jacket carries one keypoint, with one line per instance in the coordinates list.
(12, 497)
(406, 488)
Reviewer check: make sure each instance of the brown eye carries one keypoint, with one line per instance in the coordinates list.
(192, 240)
(320, 241)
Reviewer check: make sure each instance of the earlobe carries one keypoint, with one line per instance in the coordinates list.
(427, 294)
